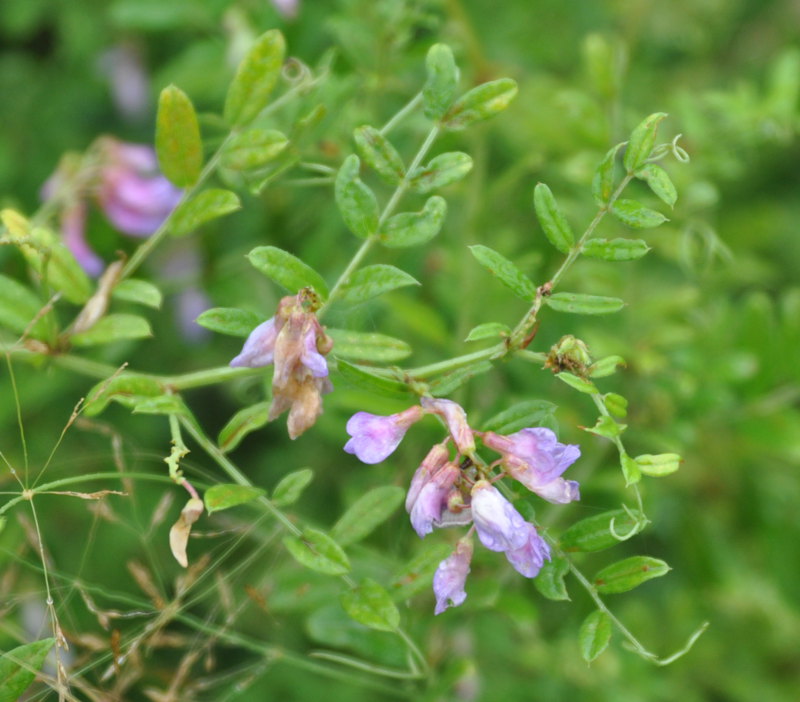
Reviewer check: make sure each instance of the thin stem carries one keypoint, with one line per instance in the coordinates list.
(363, 665)
(369, 242)
(234, 473)
(399, 116)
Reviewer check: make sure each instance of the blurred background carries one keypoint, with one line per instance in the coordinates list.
(711, 334)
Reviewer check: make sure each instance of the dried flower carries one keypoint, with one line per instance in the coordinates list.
(375, 437)
(535, 458)
(500, 527)
(456, 419)
(296, 343)
(451, 575)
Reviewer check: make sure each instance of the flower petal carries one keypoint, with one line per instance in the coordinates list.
(259, 348)
(451, 576)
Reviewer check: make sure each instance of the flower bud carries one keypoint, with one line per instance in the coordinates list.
(456, 419)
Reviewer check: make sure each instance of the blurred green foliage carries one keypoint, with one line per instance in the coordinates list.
(710, 334)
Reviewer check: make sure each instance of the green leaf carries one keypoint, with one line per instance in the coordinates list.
(178, 144)
(616, 404)
(229, 320)
(379, 154)
(318, 551)
(636, 215)
(480, 103)
(369, 604)
(241, 424)
(413, 228)
(577, 303)
(488, 330)
(579, 384)
(287, 270)
(224, 496)
(255, 79)
(441, 82)
(615, 249)
(201, 208)
(505, 271)
(659, 182)
(18, 668)
(552, 219)
(366, 513)
(603, 182)
(367, 346)
(606, 427)
(18, 306)
(440, 171)
(291, 486)
(594, 635)
(361, 377)
(252, 149)
(371, 281)
(529, 413)
(113, 327)
(49, 257)
(594, 533)
(141, 292)
(604, 367)
(356, 202)
(630, 470)
(658, 465)
(627, 574)
(641, 142)
(550, 581)
(125, 389)
(446, 384)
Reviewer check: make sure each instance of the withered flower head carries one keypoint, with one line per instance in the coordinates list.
(295, 342)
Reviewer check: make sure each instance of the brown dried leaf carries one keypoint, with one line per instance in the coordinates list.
(179, 533)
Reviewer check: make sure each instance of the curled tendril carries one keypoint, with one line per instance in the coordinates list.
(640, 522)
(679, 152)
(296, 72)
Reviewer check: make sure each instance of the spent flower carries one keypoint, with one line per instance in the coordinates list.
(295, 342)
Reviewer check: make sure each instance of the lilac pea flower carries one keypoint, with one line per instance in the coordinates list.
(259, 349)
(134, 203)
(529, 559)
(456, 419)
(500, 527)
(535, 458)
(431, 501)
(73, 229)
(451, 575)
(375, 437)
(436, 458)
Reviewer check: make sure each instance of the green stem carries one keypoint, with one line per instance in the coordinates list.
(399, 116)
(234, 473)
(369, 242)
(363, 665)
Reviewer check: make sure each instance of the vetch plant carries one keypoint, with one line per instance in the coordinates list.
(493, 478)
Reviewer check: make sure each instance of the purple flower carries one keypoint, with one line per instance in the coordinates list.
(259, 348)
(375, 437)
(436, 458)
(451, 575)
(456, 419)
(529, 558)
(500, 527)
(431, 499)
(535, 458)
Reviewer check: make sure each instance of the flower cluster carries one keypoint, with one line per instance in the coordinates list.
(295, 342)
(449, 491)
(126, 183)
